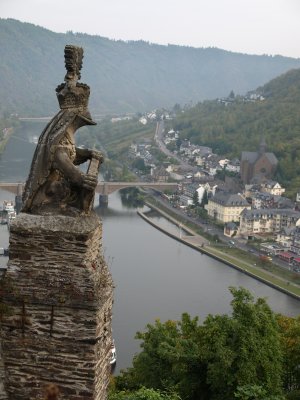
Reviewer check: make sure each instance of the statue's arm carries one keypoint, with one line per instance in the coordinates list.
(63, 163)
(82, 155)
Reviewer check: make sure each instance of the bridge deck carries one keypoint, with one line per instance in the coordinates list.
(102, 187)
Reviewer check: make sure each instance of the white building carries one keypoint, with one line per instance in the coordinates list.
(226, 207)
(273, 188)
(265, 221)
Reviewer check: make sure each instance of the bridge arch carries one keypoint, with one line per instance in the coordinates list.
(103, 188)
(106, 188)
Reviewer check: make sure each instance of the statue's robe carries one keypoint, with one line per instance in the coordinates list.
(42, 167)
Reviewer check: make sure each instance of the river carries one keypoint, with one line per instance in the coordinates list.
(155, 276)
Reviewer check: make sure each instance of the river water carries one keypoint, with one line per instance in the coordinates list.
(155, 276)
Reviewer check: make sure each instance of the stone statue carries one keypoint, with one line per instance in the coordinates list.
(55, 183)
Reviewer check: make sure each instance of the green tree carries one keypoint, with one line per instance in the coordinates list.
(170, 359)
(231, 95)
(204, 200)
(142, 394)
(243, 349)
(139, 164)
(290, 341)
(224, 357)
(196, 199)
(254, 392)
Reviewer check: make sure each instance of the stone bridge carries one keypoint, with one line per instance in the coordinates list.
(103, 188)
(15, 188)
(106, 188)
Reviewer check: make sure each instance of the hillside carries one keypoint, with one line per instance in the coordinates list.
(240, 125)
(124, 76)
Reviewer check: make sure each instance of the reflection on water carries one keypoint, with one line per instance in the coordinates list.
(166, 224)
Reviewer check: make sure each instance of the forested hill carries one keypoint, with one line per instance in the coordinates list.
(124, 76)
(230, 129)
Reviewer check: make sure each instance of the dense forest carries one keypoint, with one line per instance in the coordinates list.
(124, 76)
(251, 354)
(239, 125)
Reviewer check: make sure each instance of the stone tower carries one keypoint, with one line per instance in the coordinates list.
(58, 293)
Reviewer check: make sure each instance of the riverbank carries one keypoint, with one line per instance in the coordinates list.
(202, 245)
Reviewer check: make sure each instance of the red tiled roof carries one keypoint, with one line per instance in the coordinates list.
(286, 255)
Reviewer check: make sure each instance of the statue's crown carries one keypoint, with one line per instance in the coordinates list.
(73, 96)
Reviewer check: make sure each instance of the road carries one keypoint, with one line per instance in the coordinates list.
(158, 138)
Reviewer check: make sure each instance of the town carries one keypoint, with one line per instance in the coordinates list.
(238, 195)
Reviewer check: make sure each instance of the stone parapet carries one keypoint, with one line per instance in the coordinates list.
(59, 293)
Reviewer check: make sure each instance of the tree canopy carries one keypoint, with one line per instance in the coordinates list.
(241, 355)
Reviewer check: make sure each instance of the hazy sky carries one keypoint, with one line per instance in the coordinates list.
(246, 26)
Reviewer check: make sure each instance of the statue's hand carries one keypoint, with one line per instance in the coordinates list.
(89, 181)
(97, 154)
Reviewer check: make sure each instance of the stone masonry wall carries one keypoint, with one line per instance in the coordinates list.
(59, 293)
(3, 395)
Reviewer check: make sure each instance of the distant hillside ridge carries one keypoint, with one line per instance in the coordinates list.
(232, 127)
(124, 76)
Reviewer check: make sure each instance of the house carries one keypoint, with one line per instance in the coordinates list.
(190, 189)
(230, 229)
(185, 147)
(285, 237)
(262, 200)
(295, 246)
(185, 200)
(259, 164)
(179, 173)
(267, 200)
(226, 207)
(272, 187)
(210, 188)
(160, 175)
(267, 221)
(233, 166)
(223, 162)
(176, 176)
(199, 174)
(283, 202)
(143, 120)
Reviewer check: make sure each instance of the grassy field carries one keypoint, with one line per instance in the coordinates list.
(271, 273)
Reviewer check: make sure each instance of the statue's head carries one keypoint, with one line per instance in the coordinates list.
(72, 95)
(75, 98)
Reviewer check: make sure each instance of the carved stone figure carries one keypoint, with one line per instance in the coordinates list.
(55, 183)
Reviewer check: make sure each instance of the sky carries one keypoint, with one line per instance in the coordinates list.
(246, 26)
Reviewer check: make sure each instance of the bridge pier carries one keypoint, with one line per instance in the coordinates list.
(103, 200)
(18, 198)
(103, 197)
(18, 203)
